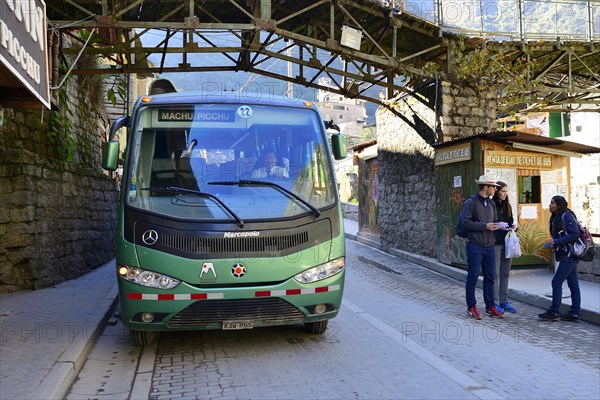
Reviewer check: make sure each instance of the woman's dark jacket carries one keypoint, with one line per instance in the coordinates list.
(563, 233)
(502, 217)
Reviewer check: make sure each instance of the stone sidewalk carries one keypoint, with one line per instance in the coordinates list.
(46, 335)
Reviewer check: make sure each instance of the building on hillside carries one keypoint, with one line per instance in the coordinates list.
(349, 114)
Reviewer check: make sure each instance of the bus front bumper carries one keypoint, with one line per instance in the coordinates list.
(188, 308)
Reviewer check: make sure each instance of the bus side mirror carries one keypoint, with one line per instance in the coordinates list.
(110, 155)
(110, 148)
(338, 146)
(338, 141)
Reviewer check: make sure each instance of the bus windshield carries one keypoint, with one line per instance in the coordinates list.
(219, 153)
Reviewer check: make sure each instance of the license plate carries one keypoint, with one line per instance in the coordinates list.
(237, 325)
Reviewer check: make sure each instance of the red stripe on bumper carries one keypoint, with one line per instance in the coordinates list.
(264, 293)
(199, 296)
(290, 292)
(322, 289)
(166, 297)
(134, 296)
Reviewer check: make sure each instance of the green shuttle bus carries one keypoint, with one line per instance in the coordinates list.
(229, 215)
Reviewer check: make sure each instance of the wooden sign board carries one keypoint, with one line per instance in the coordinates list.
(518, 160)
(452, 154)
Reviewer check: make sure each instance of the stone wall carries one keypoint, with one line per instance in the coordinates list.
(350, 211)
(57, 218)
(466, 112)
(585, 203)
(407, 209)
(406, 179)
(590, 271)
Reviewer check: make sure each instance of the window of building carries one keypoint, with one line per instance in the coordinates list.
(529, 187)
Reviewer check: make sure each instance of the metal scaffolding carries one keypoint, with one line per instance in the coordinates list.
(370, 50)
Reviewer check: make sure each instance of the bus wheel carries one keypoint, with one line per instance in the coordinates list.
(141, 338)
(316, 327)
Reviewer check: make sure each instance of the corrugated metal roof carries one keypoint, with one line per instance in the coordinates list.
(527, 138)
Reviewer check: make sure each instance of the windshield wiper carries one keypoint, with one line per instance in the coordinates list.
(293, 195)
(175, 189)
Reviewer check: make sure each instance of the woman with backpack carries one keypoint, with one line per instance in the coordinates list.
(503, 264)
(564, 230)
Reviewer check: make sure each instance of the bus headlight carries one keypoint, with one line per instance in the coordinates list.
(321, 272)
(147, 278)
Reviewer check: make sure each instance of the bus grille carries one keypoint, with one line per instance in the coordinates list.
(203, 313)
(208, 245)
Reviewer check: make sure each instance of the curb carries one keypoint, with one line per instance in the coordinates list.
(458, 274)
(62, 374)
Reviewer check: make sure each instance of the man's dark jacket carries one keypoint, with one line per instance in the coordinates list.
(479, 212)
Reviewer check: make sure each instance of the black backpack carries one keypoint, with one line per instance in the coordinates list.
(460, 229)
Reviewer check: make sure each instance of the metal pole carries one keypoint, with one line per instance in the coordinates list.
(481, 15)
(590, 21)
(570, 81)
(556, 18)
(521, 33)
(394, 41)
(331, 21)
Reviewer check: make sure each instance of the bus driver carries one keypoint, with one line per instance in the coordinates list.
(267, 167)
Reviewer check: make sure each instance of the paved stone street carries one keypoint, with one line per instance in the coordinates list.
(402, 333)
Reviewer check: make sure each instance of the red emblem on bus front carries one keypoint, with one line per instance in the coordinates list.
(238, 270)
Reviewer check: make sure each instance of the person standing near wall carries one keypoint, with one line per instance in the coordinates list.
(564, 231)
(503, 264)
(479, 223)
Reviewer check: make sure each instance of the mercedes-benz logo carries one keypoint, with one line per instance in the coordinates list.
(150, 237)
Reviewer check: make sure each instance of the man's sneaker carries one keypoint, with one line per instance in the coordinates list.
(549, 316)
(570, 317)
(493, 312)
(500, 309)
(473, 313)
(506, 306)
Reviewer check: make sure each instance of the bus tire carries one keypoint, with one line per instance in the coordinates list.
(316, 327)
(142, 338)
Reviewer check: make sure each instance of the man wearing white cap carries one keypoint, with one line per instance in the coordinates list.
(480, 223)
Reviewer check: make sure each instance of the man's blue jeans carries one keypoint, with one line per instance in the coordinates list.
(480, 258)
(567, 269)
